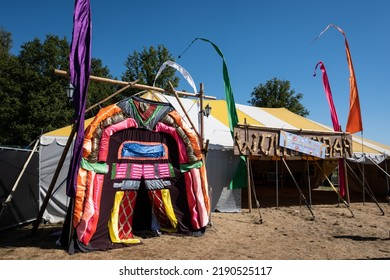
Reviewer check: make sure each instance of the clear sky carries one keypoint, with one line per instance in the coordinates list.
(259, 39)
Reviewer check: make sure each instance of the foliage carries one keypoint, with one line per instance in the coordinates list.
(10, 90)
(5, 40)
(276, 93)
(32, 96)
(44, 104)
(144, 66)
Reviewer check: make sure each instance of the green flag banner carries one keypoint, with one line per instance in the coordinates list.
(240, 178)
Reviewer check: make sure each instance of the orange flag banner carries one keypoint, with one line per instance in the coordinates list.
(354, 123)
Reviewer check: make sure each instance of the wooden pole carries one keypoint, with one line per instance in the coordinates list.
(201, 116)
(299, 189)
(184, 110)
(272, 129)
(369, 189)
(135, 85)
(249, 184)
(54, 179)
(387, 181)
(309, 181)
(277, 181)
(248, 170)
(129, 85)
(9, 198)
(346, 180)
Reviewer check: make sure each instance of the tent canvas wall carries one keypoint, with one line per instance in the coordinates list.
(23, 207)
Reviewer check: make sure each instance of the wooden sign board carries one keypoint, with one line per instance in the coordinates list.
(265, 143)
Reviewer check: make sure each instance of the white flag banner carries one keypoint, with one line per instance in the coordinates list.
(302, 144)
(179, 68)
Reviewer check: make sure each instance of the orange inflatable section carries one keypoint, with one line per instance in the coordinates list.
(191, 134)
(80, 196)
(103, 114)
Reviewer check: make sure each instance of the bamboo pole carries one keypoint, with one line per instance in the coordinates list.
(387, 182)
(319, 132)
(253, 187)
(299, 189)
(364, 187)
(277, 182)
(249, 193)
(184, 110)
(135, 85)
(129, 85)
(201, 116)
(309, 181)
(54, 179)
(346, 180)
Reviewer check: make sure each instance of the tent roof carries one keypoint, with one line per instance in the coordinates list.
(216, 126)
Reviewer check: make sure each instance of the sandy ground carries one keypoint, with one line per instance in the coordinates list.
(267, 233)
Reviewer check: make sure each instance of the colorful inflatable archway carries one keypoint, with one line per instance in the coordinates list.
(142, 169)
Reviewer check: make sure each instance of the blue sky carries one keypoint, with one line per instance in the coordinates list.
(259, 39)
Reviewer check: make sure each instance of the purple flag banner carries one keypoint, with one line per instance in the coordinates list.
(79, 72)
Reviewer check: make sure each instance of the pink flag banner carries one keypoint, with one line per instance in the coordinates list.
(335, 121)
(329, 97)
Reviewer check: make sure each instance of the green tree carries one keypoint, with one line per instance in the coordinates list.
(10, 90)
(143, 66)
(5, 40)
(32, 95)
(44, 104)
(276, 93)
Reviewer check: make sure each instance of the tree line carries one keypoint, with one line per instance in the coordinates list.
(33, 100)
